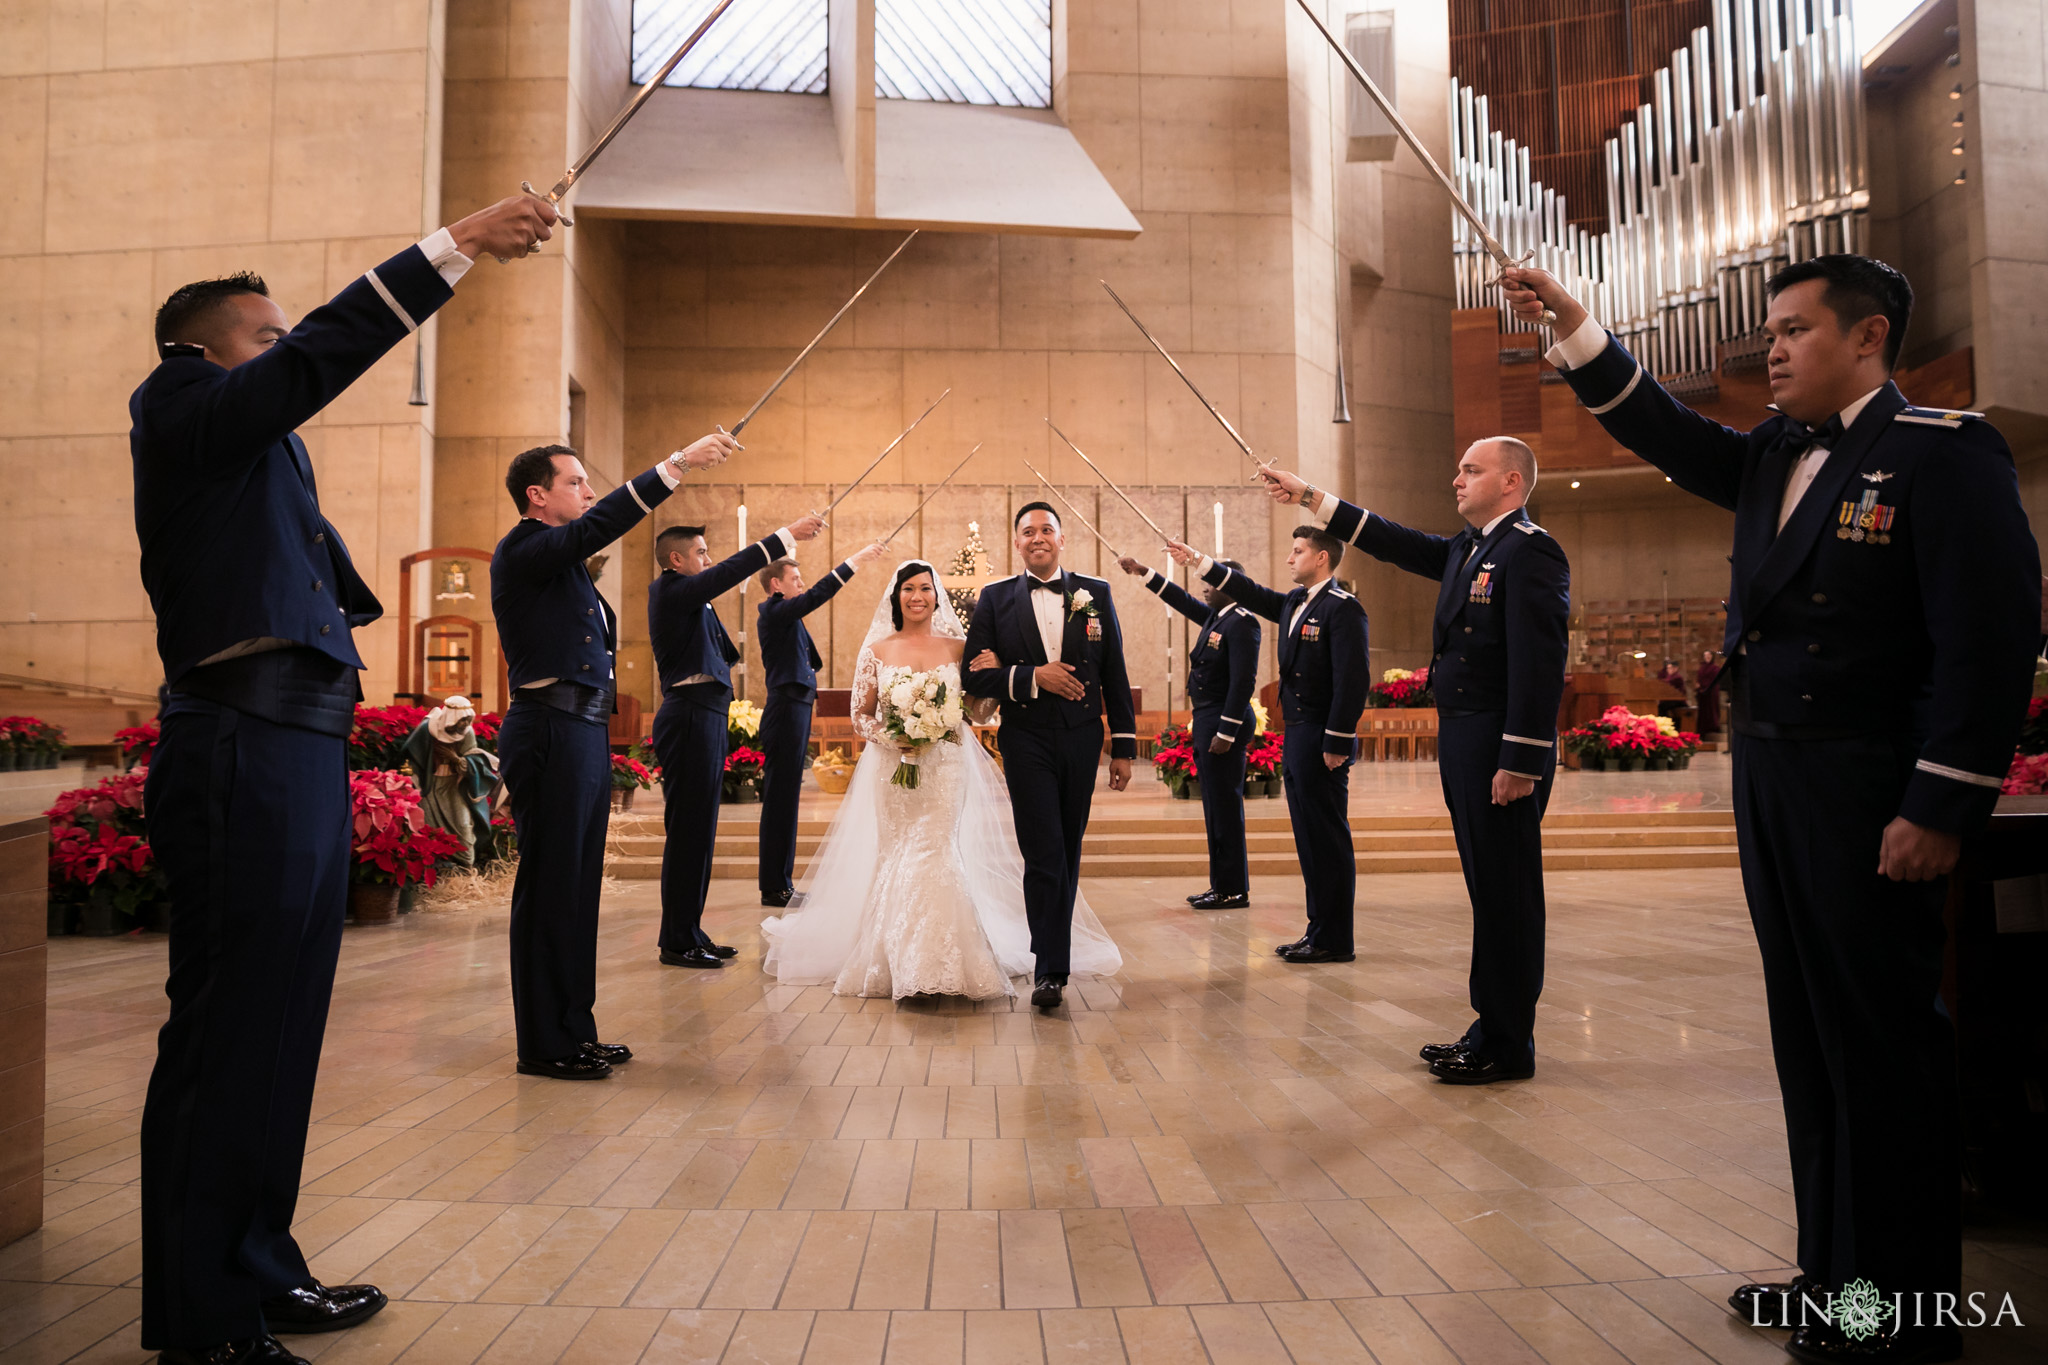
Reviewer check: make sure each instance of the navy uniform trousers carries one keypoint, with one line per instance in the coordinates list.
(251, 823)
(689, 742)
(1221, 777)
(1051, 776)
(1318, 801)
(1869, 1086)
(784, 739)
(558, 776)
(1501, 851)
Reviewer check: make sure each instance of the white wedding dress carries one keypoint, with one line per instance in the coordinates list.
(919, 890)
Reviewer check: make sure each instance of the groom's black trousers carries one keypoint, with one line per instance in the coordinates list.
(1051, 776)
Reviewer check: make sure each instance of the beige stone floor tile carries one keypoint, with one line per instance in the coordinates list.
(768, 1338)
(925, 1338)
(1176, 1265)
(690, 1337)
(855, 1338)
(759, 1260)
(1107, 1272)
(1317, 1331)
(1317, 1264)
(827, 1263)
(896, 1271)
(967, 1261)
(1036, 1272)
(1243, 1259)
(1159, 1336)
(689, 1261)
(999, 1337)
(942, 1177)
(1473, 1331)
(612, 1270)
(1704, 1320)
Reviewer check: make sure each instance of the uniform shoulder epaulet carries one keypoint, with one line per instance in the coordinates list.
(1935, 417)
(1529, 528)
(1336, 591)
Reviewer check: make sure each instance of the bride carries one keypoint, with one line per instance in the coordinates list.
(918, 890)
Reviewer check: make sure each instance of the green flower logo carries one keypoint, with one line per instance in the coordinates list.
(1860, 1311)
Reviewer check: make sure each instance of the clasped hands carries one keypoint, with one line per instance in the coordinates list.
(1059, 680)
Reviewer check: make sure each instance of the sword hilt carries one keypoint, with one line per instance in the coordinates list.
(553, 199)
(1501, 264)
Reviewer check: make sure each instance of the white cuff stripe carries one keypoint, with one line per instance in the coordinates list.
(1118, 734)
(842, 577)
(1156, 582)
(1533, 777)
(1229, 720)
(385, 294)
(630, 488)
(1013, 684)
(1958, 775)
(1619, 398)
(1340, 734)
(1539, 743)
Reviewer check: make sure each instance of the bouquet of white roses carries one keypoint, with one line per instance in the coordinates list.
(918, 710)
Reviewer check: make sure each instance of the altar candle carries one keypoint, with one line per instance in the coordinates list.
(1218, 511)
(743, 525)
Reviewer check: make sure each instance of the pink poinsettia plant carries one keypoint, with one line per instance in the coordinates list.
(629, 772)
(100, 854)
(394, 845)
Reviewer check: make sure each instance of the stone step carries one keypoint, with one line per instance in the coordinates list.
(1257, 821)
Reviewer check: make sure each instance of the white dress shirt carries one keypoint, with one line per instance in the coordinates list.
(1050, 611)
(1302, 610)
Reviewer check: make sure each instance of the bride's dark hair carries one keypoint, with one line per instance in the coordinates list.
(904, 574)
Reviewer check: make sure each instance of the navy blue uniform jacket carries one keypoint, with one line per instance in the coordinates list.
(1325, 665)
(551, 619)
(234, 546)
(788, 655)
(1901, 598)
(688, 637)
(1503, 621)
(1004, 622)
(1224, 663)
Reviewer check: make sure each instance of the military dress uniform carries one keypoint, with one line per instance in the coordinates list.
(694, 657)
(789, 664)
(1498, 649)
(1222, 667)
(1882, 617)
(256, 600)
(561, 639)
(1325, 675)
(1051, 746)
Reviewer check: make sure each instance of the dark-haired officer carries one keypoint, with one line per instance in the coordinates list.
(561, 638)
(1222, 667)
(1325, 674)
(1503, 611)
(694, 657)
(256, 600)
(1881, 629)
(789, 668)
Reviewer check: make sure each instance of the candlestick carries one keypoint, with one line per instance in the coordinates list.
(743, 527)
(1218, 511)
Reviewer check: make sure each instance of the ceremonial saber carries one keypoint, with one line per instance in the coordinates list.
(1199, 396)
(883, 456)
(1075, 510)
(1112, 487)
(929, 496)
(1501, 259)
(741, 425)
(555, 196)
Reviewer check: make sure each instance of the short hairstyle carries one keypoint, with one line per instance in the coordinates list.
(1857, 287)
(1324, 541)
(904, 573)
(530, 467)
(774, 571)
(1028, 508)
(187, 313)
(1516, 455)
(672, 539)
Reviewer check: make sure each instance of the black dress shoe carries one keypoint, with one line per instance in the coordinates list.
(690, 957)
(1046, 994)
(581, 1067)
(319, 1307)
(1437, 1052)
(1283, 949)
(1203, 894)
(1825, 1344)
(720, 950)
(1306, 953)
(1469, 1068)
(265, 1350)
(1217, 900)
(777, 899)
(612, 1053)
(1777, 1305)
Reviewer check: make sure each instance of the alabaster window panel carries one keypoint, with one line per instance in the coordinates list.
(774, 45)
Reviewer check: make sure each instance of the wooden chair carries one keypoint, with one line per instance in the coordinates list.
(832, 721)
(625, 722)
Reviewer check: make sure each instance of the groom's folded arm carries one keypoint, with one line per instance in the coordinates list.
(996, 684)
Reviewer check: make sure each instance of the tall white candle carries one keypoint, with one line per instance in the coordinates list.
(1218, 510)
(743, 526)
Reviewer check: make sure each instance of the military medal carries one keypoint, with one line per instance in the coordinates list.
(1865, 519)
(1482, 585)
(1215, 639)
(1095, 628)
(1311, 631)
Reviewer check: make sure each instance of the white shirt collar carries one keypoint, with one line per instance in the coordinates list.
(1487, 529)
(1316, 589)
(1056, 575)
(1855, 409)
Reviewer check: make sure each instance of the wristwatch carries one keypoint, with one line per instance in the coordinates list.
(1308, 493)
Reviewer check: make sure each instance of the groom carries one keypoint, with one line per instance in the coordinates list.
(1058, 666)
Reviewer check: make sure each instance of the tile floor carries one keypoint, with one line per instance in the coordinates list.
(1212, 1157)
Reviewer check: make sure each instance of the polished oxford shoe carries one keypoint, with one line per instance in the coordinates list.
(1437, 1052)
(1046, 994)
(609, 1053)
(1469, 1068)
(1306, 953)
(320, 1307)
(1217, 900)
(1777, 1305)
(691, 957)
(1283, 949)
(264, 1350)
(1203, 894)
(582, 1067)
(720, 950)
(777, 900)
(1824, 1344)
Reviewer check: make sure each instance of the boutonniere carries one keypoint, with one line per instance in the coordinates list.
(1081, 602)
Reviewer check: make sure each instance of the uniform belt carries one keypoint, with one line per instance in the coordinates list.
(577, 699)
(299, 687)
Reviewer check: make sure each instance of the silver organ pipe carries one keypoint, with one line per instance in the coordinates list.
(1750, 155)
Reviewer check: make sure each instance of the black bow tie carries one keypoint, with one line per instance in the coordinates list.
(1045, 585)
(1799, 436)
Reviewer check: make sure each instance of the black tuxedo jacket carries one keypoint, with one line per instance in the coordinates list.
(1093, 643)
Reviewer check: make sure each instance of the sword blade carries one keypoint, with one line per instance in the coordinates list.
(740, 425)
(1163, 355)
(1074, 510)
(1105, 478)
(884, 455)
(933, 494)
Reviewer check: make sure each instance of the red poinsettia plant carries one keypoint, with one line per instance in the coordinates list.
(1262, 760)
(378, 739)
(394, 845)
(1175, 764)
(1400, 687)
(28, 742)
(744, 762)
(2028, 776)
(629, 772)
(138, 742)
(100, 859)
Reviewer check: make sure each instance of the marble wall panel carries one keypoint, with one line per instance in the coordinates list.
(1215, 144)
(53, 35)
(1240, 274)
(1052, 295)
(1105, 113)
(998, 398)
(1637, 538)
(942, 292)
(321, 28)
(179, 33)
(1098, 399)
(74, 340)
(1182, 441)
(1102, 35)
(347, 144)
(854, 405)
(24, 134)
(1211, 37)
(869, 513)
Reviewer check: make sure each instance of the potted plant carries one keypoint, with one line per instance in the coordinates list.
(629, 775)
(393, 847)
(138, 742)
(742, 724)
(1175, 765)
(103, 878)
(1173, 736)
(377, 741)
(10, 733)
(743, 768)
(1262, 761)
(1401, 687)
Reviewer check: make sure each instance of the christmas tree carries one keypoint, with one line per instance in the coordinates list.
(970, 563)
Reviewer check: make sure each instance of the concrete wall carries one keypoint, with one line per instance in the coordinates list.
(147, 143)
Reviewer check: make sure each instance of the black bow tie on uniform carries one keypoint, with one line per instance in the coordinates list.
(1799, 436)
(1045, 585)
